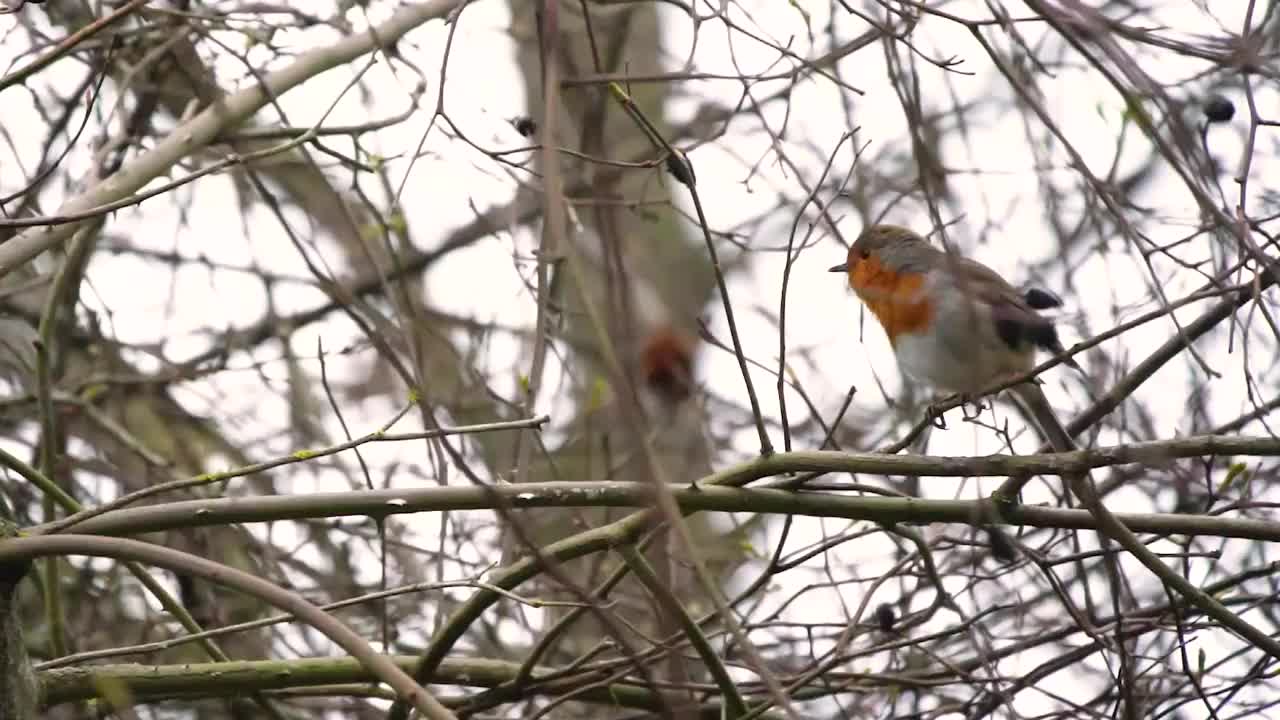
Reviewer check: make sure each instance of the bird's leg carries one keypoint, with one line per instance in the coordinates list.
(934, 411)
(967, 399)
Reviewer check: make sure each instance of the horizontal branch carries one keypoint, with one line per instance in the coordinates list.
(160, 682)
(1155, 453)
(713, 493)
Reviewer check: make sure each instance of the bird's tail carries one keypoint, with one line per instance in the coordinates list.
(1056, 348)
(1031, 399)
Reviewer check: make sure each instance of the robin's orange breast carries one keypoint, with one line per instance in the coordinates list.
(894, 298)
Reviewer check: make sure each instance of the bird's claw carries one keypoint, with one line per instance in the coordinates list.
(934, 413)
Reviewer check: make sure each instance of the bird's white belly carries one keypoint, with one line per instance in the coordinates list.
(924, 359)
(955, 367)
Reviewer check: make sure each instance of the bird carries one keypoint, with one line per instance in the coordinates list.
(955, 323)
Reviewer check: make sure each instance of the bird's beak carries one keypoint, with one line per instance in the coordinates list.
(842, 267)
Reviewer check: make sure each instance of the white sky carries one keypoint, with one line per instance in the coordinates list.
(484, 91)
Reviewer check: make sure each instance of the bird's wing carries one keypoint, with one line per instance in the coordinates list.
(1015, 320)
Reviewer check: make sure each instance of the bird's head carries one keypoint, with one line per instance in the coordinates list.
(882, 242)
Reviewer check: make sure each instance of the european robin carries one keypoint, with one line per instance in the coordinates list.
(955, 323)
(666, 364)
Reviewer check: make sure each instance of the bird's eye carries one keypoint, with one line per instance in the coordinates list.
(865, 253)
